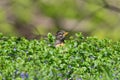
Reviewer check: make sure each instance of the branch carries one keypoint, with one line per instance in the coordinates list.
(110, 7)
(106, 5)
(87, 16)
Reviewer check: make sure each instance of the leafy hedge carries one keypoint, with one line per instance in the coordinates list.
(79, 59)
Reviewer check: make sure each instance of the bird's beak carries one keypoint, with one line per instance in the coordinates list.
(66, 33)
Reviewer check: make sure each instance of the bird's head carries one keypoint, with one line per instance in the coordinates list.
(60, 35)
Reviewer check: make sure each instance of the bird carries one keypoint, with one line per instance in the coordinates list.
(60, 37)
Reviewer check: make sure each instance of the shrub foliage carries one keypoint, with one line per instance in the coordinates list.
(79, 59)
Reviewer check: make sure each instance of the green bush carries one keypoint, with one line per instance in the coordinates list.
(79, 59)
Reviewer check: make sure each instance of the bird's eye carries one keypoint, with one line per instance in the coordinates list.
(60, 35)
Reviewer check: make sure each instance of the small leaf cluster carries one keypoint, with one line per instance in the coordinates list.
(79, 59)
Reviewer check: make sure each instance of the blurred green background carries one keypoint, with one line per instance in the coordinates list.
(35, 18)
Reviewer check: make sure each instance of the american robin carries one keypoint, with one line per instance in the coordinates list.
(60, 37)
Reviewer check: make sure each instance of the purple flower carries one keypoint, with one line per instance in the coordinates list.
(14, 49)
(60, 74)
(69, 66)
(66, 78)
(113, 75)
(115, 69)
(79, 79)
(29, 59)
(82, 60)
(100, 76)
(22, 75)
(26, 75)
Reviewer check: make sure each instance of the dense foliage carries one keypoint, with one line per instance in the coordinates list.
(79, 59)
